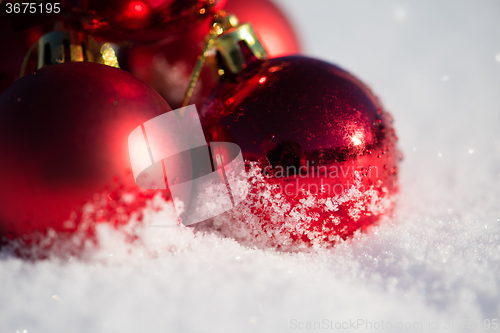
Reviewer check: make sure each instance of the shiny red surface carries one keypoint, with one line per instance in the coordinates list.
(303, 114)
(63, 139)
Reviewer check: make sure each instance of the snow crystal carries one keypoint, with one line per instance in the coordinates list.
(267, 219)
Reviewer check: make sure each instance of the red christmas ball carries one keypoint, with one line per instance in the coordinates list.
(168, 67)
(322, 152)
(63, 140)
(144, 21)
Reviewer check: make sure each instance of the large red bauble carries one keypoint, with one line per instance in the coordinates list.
(168, 67)
(326, 147)
(143, 21)
(63, 139)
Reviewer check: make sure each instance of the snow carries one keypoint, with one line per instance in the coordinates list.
(436, 262)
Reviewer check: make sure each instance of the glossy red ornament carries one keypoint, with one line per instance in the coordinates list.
(63, 141)
(168, 67)
(323, 145)
(144, 21)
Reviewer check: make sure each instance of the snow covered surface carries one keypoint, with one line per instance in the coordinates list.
(436, 66)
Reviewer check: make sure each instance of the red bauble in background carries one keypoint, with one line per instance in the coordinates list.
(143, 21)
(168, 67)
(273, 28)
(63, 138)
(327, 150)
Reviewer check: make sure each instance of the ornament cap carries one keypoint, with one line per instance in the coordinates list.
(63, 46)
(229, 46)
(58, 47)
